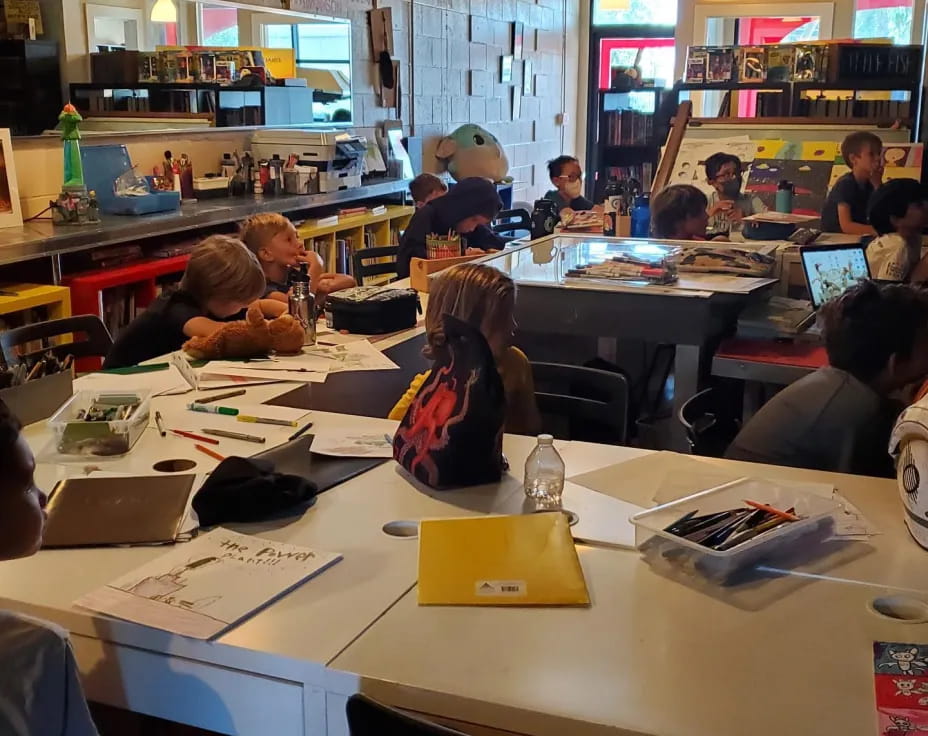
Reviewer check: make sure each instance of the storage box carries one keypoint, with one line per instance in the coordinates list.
(39, 399)
(751, 63)
(421, 268)
(817, 522)
(697, 60)
(781, 63)
(721, 64)
(75, 436)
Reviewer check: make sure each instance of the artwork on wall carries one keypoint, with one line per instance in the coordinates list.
(528, 77)
(809, 179)
(518, 39)
(505, 69)
(516, 103)
(10, 213)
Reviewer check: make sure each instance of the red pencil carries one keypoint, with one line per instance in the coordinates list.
(770, 510)
(212, 453)
(192, 436)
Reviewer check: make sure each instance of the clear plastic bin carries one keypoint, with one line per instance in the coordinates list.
(816, 512)
(74, 436)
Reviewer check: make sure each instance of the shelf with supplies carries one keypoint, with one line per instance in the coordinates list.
(335, 241)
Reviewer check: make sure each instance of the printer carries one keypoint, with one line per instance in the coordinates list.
(338, 156)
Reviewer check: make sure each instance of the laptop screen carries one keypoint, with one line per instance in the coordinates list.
(832, 269)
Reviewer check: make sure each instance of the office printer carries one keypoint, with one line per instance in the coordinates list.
(337, 155)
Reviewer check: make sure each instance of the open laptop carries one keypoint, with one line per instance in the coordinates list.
(830, 270)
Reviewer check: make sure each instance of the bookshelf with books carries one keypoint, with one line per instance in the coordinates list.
(628, 138)
(336, 236)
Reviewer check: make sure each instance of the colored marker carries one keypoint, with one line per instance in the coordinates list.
(220, 397)
(212, 453)
(235, 436)
(265, 420)
(300, 432)
(207, 409)
(160, 424)
(192, 436)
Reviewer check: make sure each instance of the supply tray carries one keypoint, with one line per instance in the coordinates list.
(73, 436)
(816, 512)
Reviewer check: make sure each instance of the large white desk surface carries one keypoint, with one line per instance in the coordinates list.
(654, 656)
(266, 675)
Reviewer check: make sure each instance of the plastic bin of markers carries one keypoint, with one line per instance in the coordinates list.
(75, 436)
(816, 523)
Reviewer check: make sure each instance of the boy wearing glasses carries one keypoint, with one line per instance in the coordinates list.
(728, 204)
(567, 176)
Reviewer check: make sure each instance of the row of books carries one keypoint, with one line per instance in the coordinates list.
(851, 108)
(627, 128)
(337, 254)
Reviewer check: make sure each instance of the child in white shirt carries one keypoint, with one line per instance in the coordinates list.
(898, 211)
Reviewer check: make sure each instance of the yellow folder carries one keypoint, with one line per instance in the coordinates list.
(525, 560)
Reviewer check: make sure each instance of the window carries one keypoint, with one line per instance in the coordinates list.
(884, 19)
(320, 45)
(218, 26)
(634, 12)
(656, 62)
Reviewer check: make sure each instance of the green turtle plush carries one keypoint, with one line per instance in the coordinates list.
(472, 151)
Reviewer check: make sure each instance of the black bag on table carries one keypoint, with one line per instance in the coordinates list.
(372, 310)
(452, 434)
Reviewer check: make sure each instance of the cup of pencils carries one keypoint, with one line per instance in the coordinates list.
(443, 246)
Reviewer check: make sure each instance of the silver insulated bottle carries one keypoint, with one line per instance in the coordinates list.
(302, 304)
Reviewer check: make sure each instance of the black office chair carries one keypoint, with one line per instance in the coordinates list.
(367, 717)
(96, 342)
(711, 422)
(510, 222)
(364, 270)
(579, 403)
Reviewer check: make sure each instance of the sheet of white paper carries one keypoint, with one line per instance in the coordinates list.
(603, 519)
(218, 369)
(720, 282)
(156, 381)
(852, 524)
(325, 336)
(204, 587)
(355, 356)
(353, 444)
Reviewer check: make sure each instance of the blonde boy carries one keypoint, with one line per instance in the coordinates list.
(274, 241)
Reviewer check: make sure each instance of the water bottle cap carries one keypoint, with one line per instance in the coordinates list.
(545, 439)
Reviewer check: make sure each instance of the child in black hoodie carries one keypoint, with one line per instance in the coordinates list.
(467, 209)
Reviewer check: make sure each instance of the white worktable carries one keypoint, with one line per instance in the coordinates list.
(654, 656)
(267, 675)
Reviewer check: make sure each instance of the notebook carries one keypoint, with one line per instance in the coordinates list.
(84, 512)
(527, 560)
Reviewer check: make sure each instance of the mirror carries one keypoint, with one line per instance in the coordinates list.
(176, 87)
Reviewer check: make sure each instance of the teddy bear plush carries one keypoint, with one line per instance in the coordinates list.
(252, 337)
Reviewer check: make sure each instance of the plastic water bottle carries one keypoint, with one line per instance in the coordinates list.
(641, 217)
(544, 474)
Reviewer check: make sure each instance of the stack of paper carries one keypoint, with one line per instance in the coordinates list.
(206, 586)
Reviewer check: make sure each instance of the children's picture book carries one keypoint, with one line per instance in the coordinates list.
(809, 179)
(697, 59)
(752, 63)
(207, 586)
(900, 687)
(721, 64)
(781, 62)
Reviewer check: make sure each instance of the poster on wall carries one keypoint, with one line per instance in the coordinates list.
(10, 213)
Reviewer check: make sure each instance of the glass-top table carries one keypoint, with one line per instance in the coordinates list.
(550, 261)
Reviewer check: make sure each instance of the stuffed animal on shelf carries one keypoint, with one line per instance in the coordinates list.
(248, 338)
(472, 151)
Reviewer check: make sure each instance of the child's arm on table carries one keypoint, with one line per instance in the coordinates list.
(848, 225)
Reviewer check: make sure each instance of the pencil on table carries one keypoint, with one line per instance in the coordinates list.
(212, 453)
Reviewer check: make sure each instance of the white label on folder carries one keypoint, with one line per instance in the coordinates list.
(514, 588)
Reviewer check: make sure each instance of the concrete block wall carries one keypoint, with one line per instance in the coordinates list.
(455, 63)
